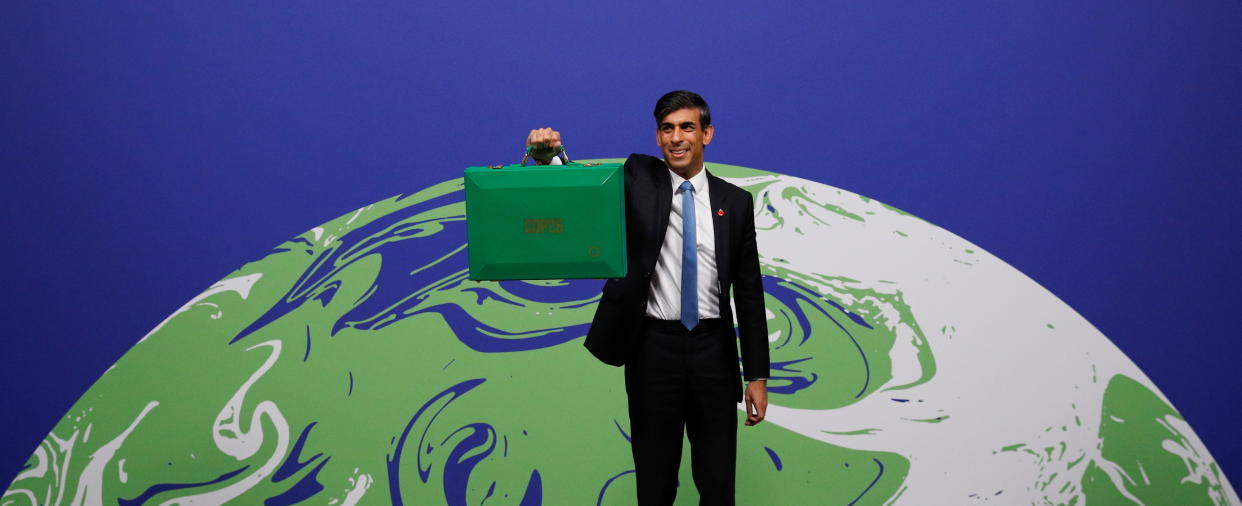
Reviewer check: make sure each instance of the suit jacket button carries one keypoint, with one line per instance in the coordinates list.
(647, 275)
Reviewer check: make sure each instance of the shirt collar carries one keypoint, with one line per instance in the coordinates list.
(699, 181)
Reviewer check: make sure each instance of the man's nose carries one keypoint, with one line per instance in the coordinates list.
(678, 135)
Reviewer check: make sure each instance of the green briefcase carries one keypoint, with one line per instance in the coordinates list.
(546, 222)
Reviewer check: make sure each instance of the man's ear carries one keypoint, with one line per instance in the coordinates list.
(707, 134)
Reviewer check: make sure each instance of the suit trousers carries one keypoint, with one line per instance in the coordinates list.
(683, 382)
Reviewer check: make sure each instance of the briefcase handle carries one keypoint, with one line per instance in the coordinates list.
(560, 154)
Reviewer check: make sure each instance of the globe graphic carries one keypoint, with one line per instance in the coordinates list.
(357, 364)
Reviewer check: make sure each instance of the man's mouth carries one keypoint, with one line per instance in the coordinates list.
(678, 153)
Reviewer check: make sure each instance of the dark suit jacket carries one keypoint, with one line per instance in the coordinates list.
(623, 304)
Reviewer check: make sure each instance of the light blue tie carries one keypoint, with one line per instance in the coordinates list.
(689, 259)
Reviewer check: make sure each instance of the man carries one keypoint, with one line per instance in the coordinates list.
(690, 238)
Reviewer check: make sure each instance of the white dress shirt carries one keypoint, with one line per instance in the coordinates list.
(664, 301)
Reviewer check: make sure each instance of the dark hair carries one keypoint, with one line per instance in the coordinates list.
(682, 99)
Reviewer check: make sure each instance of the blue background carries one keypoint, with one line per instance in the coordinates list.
(150, 148)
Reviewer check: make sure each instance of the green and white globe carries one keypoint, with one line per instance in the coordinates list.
(356, 364)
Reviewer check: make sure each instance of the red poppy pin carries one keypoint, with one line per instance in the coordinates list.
(720, 212)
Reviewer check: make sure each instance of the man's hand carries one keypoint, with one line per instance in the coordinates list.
(756, 401)
(545, 143)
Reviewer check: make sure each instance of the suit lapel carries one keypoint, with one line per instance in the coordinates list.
(720, 227)
(663, 205)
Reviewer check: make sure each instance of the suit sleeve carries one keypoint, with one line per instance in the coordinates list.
(748, 295)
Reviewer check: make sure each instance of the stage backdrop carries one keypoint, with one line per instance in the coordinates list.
(153, 149)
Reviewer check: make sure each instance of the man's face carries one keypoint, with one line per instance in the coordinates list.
(682, 138)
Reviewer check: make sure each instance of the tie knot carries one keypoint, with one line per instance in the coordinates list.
(685, 187)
